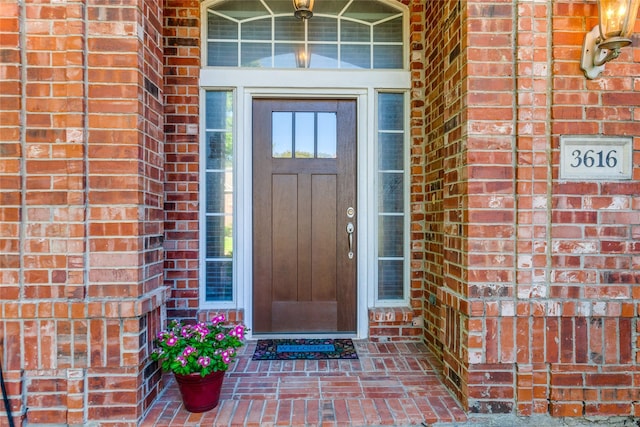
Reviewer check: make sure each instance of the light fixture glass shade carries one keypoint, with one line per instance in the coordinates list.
(617, 17)
(303, 9)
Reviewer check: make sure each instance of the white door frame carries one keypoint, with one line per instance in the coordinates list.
(247, 84)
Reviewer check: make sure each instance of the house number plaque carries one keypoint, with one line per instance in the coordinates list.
(590, 158)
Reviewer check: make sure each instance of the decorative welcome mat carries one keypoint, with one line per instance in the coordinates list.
(307, 349)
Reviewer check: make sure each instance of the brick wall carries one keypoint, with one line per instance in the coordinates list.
(592, 312)
(439, 190)
(181, 71)
(81, 216)
(550, 263)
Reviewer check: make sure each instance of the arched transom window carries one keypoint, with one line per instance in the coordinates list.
(342, 34)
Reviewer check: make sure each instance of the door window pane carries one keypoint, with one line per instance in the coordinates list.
(282, 135)
(327, 135)
(305, 135)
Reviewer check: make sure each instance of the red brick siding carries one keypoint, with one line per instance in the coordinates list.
(82, 209)
(181, 103)
(593, 287)
(439, 190)
(542, 298)
(11, 92)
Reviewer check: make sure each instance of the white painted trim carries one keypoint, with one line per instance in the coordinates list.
(325, 80)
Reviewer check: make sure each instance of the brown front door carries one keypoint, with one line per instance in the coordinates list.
(304, 195)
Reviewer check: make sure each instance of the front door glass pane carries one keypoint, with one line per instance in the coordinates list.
(305, 135)
(327, 135)
(282, 135)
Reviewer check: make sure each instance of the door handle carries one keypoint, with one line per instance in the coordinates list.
(350, 230)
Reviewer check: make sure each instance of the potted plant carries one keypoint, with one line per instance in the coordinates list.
(199, 355)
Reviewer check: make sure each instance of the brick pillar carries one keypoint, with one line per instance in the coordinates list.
(182, 70)
(491, 214)
(11, 92)
(82, 208)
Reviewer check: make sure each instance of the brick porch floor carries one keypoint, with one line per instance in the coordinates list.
(390, 385)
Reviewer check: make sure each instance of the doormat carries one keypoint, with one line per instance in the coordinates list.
(305, 349)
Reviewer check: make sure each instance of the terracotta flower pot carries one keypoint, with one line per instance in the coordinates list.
(200, 394)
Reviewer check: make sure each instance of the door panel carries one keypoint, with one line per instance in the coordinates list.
(304, 280)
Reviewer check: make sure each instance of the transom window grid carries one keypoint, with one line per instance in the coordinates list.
(326, 41)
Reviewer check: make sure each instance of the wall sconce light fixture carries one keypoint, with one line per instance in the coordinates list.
(304, 9)
(616, 19)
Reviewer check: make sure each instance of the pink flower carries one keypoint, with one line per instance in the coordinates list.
(171, 341)
(238, 331)
(204, 361)
(182, 360)
(187, 351)
(220, 336)
(219, 318)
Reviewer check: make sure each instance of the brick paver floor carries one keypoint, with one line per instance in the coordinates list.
(392, 384)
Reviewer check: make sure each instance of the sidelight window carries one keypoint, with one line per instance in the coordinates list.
(219, 196)
(391, 195)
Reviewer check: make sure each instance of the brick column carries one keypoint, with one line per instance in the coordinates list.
(11, 92)
(182, 97)
(82, 199)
